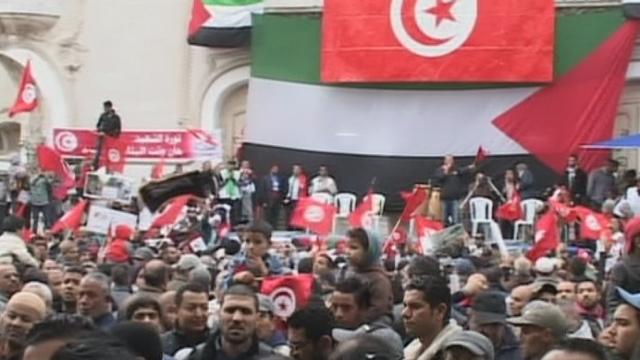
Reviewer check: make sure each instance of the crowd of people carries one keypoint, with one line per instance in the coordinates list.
(146, 294)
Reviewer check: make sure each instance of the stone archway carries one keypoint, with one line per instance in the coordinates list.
(224, 108)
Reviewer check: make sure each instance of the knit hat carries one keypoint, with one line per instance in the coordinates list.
(28, 303)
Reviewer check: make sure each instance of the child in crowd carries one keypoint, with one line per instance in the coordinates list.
(255, 261)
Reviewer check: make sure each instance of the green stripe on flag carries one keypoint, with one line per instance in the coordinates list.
(231, 2)
(287, 47)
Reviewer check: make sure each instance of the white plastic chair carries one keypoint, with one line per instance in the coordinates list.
(481, 210)
(323, 198)
(378, 204)
(530, 208)
(345, 203)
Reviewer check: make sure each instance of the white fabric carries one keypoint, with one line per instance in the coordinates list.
(232, 16)
(380, 122)
(633, 199)
(323, 184)
(12, 244)
(414, 350)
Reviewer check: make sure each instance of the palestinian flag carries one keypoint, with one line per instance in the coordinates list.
(222, 23)
(399, 133)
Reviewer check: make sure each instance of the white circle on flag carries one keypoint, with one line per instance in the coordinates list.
(592, 223)
(66, 141)
(29, 94)
(314, 214)
(284, 302)
(113, 155)
(446, 35)
(540, 234)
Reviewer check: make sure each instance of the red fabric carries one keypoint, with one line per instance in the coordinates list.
(124, 232)
(171, 212)
(157, 171)
(27, 94)
(314, 215)
(202, 136)
(199, 16)
(566, 212)
(592, 224)
(118, 251)
(50, 160)
(579, 108)
(412, 201)
(631, 230)
(288, 293)
(547, 237)
(113, 154)
(21, 209)
(511, 210)
(506, 43)
(27, 235)
(427, 227)
(481, 155)
(72, 219)
(361, 216)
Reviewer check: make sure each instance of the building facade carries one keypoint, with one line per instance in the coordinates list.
(135, 54)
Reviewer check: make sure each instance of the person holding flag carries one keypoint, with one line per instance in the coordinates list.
(450, 180)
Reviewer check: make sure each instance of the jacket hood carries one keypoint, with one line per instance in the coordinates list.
(374, 250)
(123, 232)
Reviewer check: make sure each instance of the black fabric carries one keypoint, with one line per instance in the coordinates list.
(222, 37)
(354, 173)
(109, 123)
(156, 193)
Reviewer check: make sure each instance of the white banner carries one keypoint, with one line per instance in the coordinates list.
(101, 218)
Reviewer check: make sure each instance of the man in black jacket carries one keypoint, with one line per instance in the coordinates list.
(192, 301)
(237, 338)
(451, 181)
(575, 179)
(108, 125)
(272, 192)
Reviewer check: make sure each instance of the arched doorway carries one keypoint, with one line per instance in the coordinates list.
(233, 120)
(224, 108)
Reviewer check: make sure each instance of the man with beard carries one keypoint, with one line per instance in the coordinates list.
(23, 311)
(310, 333)
(236, 338)
(588, 305)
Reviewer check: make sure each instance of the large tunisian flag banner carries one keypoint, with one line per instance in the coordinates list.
(438, 40)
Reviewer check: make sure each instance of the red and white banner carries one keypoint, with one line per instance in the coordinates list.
(438, 40)
(142, 144)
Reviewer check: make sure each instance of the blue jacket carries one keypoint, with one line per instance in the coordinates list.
(510, 348)
(239, 264)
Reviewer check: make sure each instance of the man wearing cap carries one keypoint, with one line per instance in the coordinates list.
(626, 273)
(267, 329)
(350, 305)
(488, 316)
(23, 311)
(542, 327)
(625, 328)
(468, 345)
(181, 271)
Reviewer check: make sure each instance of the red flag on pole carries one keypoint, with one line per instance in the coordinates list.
(426, 227)
(114, 154)
(511, 210)
(27, 94)
(288, 293)
(72, 219)
(361, 216)
(50, 160)
(412, 201)
(314, 215)
(547, 237)
(171, 212)
(592, 224)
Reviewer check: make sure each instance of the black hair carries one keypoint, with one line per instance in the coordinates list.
(35, 275)
(120, 274)
(424, 266)
(190, 287)
(12, 224)
(584, 347)
(363, 346)
(75, 269)
(95, 346)
(358, 288)
(584, 279)
(240, 290)
(107, 103)
(260, 227)
(360, 235)
(305, 265)
(141, 339)
(155, 276)
(435, 291)
(141, 301)
(317, 321)
(59, 326)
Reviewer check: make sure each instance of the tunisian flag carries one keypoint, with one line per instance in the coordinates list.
(361, 216)
(72, 219)
(592, 224)
(288, 293)
(113, 155)
(171, 212)
(314, 215)
(412, 202)
(438, 40)
(51, 160)
(511, 210)
(547, 237)
(27, 94)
